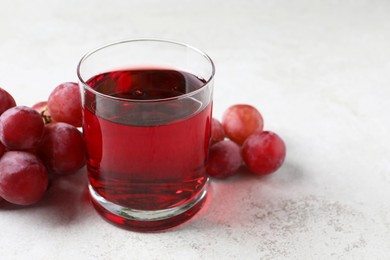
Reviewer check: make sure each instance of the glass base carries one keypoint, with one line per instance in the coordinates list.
(147, 220)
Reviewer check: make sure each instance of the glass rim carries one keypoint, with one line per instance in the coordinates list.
(182, 96)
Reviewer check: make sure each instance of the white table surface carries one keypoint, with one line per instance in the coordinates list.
(319, 71)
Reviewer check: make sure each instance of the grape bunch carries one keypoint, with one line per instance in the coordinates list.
(240, 140)
(39, 142)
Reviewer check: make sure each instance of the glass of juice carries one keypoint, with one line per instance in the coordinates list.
(147, 109)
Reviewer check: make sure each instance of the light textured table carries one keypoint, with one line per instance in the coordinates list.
(319, 71)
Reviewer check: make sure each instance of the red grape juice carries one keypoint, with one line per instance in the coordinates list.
(147, 147)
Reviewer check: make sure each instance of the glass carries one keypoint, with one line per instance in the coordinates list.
(147, 109)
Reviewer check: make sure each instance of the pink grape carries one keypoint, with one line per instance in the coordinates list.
(224, 159)
(62, 148)
(217, 132)
(6, 101)
(21, 128)
(263, 152)
(23, 178)
(240, 121)
(64, 104)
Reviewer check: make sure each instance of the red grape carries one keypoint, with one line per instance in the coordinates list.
(64, 104)
(62, 148)
(41, 108)
(21, 128)
(263, 152)
(23, 178)
(6, 101)
(240, 121)
(224, 159)
(217, 132)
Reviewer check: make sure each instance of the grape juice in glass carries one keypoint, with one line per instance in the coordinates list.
(147, 115)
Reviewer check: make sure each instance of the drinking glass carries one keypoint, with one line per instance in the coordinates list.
(147, 109)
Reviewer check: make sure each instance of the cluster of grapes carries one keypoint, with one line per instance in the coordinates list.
(262, 152)
(38, 142)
